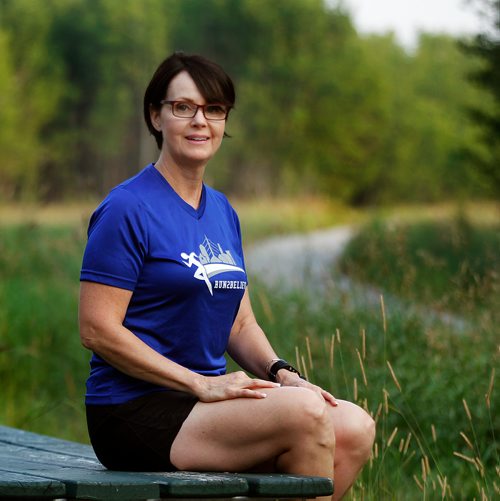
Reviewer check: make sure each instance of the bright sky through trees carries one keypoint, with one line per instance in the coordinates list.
(407, 17)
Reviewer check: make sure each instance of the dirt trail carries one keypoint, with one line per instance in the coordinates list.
(308, 262)
(290, 261)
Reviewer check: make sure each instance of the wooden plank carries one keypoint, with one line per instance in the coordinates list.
(84, 483)
(286, 485)
(81, 477)
(8, 451)
(22, 486)
(179, 484)
(76, 466)
(185, 484)
(14, 436)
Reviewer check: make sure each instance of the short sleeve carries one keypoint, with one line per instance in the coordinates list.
(117, 241)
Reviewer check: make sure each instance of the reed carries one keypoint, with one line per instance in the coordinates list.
(42, 364)
(413, 457)
(430, 388)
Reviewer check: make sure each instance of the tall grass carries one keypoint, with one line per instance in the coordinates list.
(429, 386)
(451, 265)
(42, 364)
(431, 390)
(264, 217)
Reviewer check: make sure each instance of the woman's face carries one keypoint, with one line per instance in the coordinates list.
(187, 141)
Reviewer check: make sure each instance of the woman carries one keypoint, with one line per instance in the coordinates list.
(164, 295)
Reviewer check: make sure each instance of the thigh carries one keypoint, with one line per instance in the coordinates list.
(239, 434)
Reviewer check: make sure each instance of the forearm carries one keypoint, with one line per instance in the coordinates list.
(102, 311)
(101, 317)
(130, 355)
(251, 350)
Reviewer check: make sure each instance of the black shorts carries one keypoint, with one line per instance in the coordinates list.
(138, 435)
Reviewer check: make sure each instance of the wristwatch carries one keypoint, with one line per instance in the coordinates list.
(281, 364)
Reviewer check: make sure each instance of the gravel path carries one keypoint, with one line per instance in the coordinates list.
(292, 260)
(307, 262)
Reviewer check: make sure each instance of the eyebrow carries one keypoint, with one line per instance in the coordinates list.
(184, 99)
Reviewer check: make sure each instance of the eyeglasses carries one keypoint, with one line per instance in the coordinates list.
(183, 109)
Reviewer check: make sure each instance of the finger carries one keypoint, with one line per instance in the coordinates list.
(329, 398)
(246, 393)
(262, 383)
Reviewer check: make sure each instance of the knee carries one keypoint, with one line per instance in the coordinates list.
(312, 418)
(368, 431)
(361, 435)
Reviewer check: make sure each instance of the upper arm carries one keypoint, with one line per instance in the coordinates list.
(117, 242)
(245, 314)
(112, 261)
(102, 308)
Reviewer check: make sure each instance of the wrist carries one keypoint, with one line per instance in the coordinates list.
(198, 385)
(280, 366)
(283, 376)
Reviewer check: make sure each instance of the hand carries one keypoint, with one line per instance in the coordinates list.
(287, 378)
(230, 386)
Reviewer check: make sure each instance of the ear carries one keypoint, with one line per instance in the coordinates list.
(155, 116)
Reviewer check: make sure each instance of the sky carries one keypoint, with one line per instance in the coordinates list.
(407, 17)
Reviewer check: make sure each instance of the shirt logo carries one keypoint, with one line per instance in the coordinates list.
(211, 261)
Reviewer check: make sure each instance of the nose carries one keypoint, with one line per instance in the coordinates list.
(199, 117)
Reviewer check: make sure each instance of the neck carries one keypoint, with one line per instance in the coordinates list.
(186, 182)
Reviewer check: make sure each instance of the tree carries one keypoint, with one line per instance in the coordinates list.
(486, 46)
(107, 52)
(33, 88)
(320, 108)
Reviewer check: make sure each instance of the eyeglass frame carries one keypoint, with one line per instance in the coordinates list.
(198, 106)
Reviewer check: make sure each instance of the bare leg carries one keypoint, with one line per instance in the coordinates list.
(355, 434)
(293, 426)
(291, 431)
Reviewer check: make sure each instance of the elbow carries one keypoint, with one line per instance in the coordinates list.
(87, 340)
(89, 336)
(87, 343)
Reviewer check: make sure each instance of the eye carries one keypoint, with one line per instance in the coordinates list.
(183, 107)
(216, 109)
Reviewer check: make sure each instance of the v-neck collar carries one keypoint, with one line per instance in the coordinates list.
(196, 213)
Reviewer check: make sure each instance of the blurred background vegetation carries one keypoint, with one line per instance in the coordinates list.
(321, 109)
(330, 127)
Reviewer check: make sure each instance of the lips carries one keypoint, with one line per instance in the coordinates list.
(197, 138)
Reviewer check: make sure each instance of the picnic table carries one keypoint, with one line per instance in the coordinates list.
(34, 466)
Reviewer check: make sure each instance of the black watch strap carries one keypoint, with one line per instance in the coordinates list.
(281, 364)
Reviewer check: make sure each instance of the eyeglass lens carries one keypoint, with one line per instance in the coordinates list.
(188, 110)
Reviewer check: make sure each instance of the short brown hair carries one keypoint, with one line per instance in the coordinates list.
(212, 81)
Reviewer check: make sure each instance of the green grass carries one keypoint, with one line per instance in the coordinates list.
(451, 264)
(42, 364)
(265, 217)
(429, 385)
(422, 400)
(439, 393)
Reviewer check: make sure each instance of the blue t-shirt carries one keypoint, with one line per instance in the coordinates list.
(186, 270)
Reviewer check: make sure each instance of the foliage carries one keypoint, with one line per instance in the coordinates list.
(486, 46)
(414, 376)
(33, 87)
(320, 109)
(419, 406)
(410, 363)
(452, 265)
(42, 364)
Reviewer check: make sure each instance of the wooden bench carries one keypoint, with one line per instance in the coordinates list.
(34, 466)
